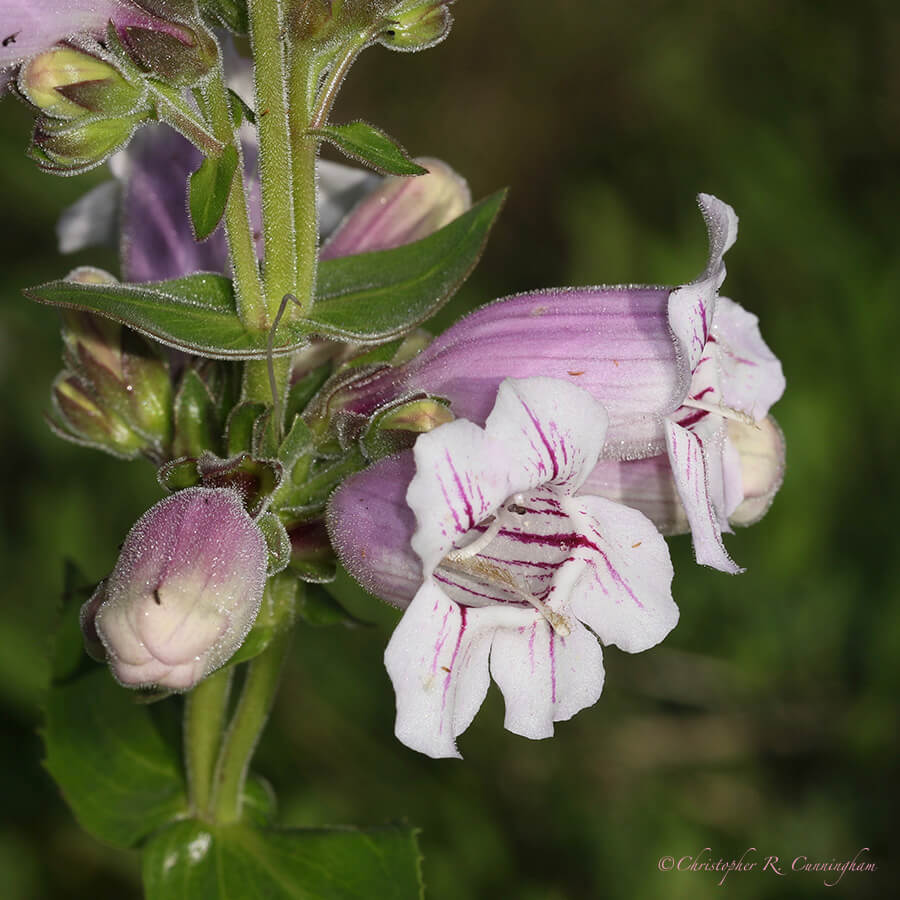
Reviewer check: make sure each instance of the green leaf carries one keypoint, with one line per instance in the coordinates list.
(196, 313)
(122, 780)
(193, 861)
(368, 298)
(209, 189)
(370, 145)
(374, 297)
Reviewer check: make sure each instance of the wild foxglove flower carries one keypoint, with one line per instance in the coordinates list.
(670, 366)
(184, 593)
(514, 566)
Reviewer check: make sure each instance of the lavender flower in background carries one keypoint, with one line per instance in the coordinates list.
(31, 26)
(513, 566)
(184, 593)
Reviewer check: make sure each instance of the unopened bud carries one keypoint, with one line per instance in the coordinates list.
(124, 371)
(185, 591)
(79, 145)
(67, 83)
(81, 417)
(761, 448)
(181, 56)
(415, 25)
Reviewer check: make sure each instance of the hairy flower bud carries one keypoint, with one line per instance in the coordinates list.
(66, 83)
(79, 145)
(185, 591)
(416, 26)
(116, 392)
(81, 418)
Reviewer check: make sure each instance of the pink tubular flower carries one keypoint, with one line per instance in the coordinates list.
(514, 568)
(670, 366)
(184, 593)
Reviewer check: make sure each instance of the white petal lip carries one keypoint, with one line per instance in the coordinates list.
(553, 430)
(607, 566)
(690, 467)
(545, 678)
(437, 659)
(461, 479)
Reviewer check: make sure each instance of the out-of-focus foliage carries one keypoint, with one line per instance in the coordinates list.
(768, 718)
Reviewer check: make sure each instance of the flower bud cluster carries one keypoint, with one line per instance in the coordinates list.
(115, 392)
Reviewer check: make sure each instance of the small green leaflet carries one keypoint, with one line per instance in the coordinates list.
(208, 191)
(368, 298)
(370, 145)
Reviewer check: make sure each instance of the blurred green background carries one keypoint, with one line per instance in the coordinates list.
(768, 718)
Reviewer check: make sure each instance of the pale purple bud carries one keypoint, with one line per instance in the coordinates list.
(401, 210)
(185, 591)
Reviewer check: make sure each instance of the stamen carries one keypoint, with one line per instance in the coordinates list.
(719, 409)
(486, 571)
(478, 544)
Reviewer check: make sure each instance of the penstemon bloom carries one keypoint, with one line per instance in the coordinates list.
(515, 569)
(670, 366)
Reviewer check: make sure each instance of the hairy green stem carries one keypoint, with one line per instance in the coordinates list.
(266, 38)
(204, 722)
(304, 150)
(253, 708)
(251, 304)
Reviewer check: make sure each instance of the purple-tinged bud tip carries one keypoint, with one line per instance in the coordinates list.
(185, 591)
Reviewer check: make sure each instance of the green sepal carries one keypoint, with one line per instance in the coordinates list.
(276, 615)
(396, 428)
(179, 474)
(278, 543)
(368, 298)
(297, 443)
(195, 417)
(120, 776)
(195, 861)
(178, 61)
(239, 429)
(240, 111)
(255, 480)
(208, 191)
(304, 389)
(370, 145)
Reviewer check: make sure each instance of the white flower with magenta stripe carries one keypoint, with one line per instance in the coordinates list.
(517, 572)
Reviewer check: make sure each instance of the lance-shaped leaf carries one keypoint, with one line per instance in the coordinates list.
(373, 297)
(370, 145)
(368, 298)
(195, 861)
(208, 191)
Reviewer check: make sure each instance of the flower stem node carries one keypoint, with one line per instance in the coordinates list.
(184, 593)
(67, 83)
